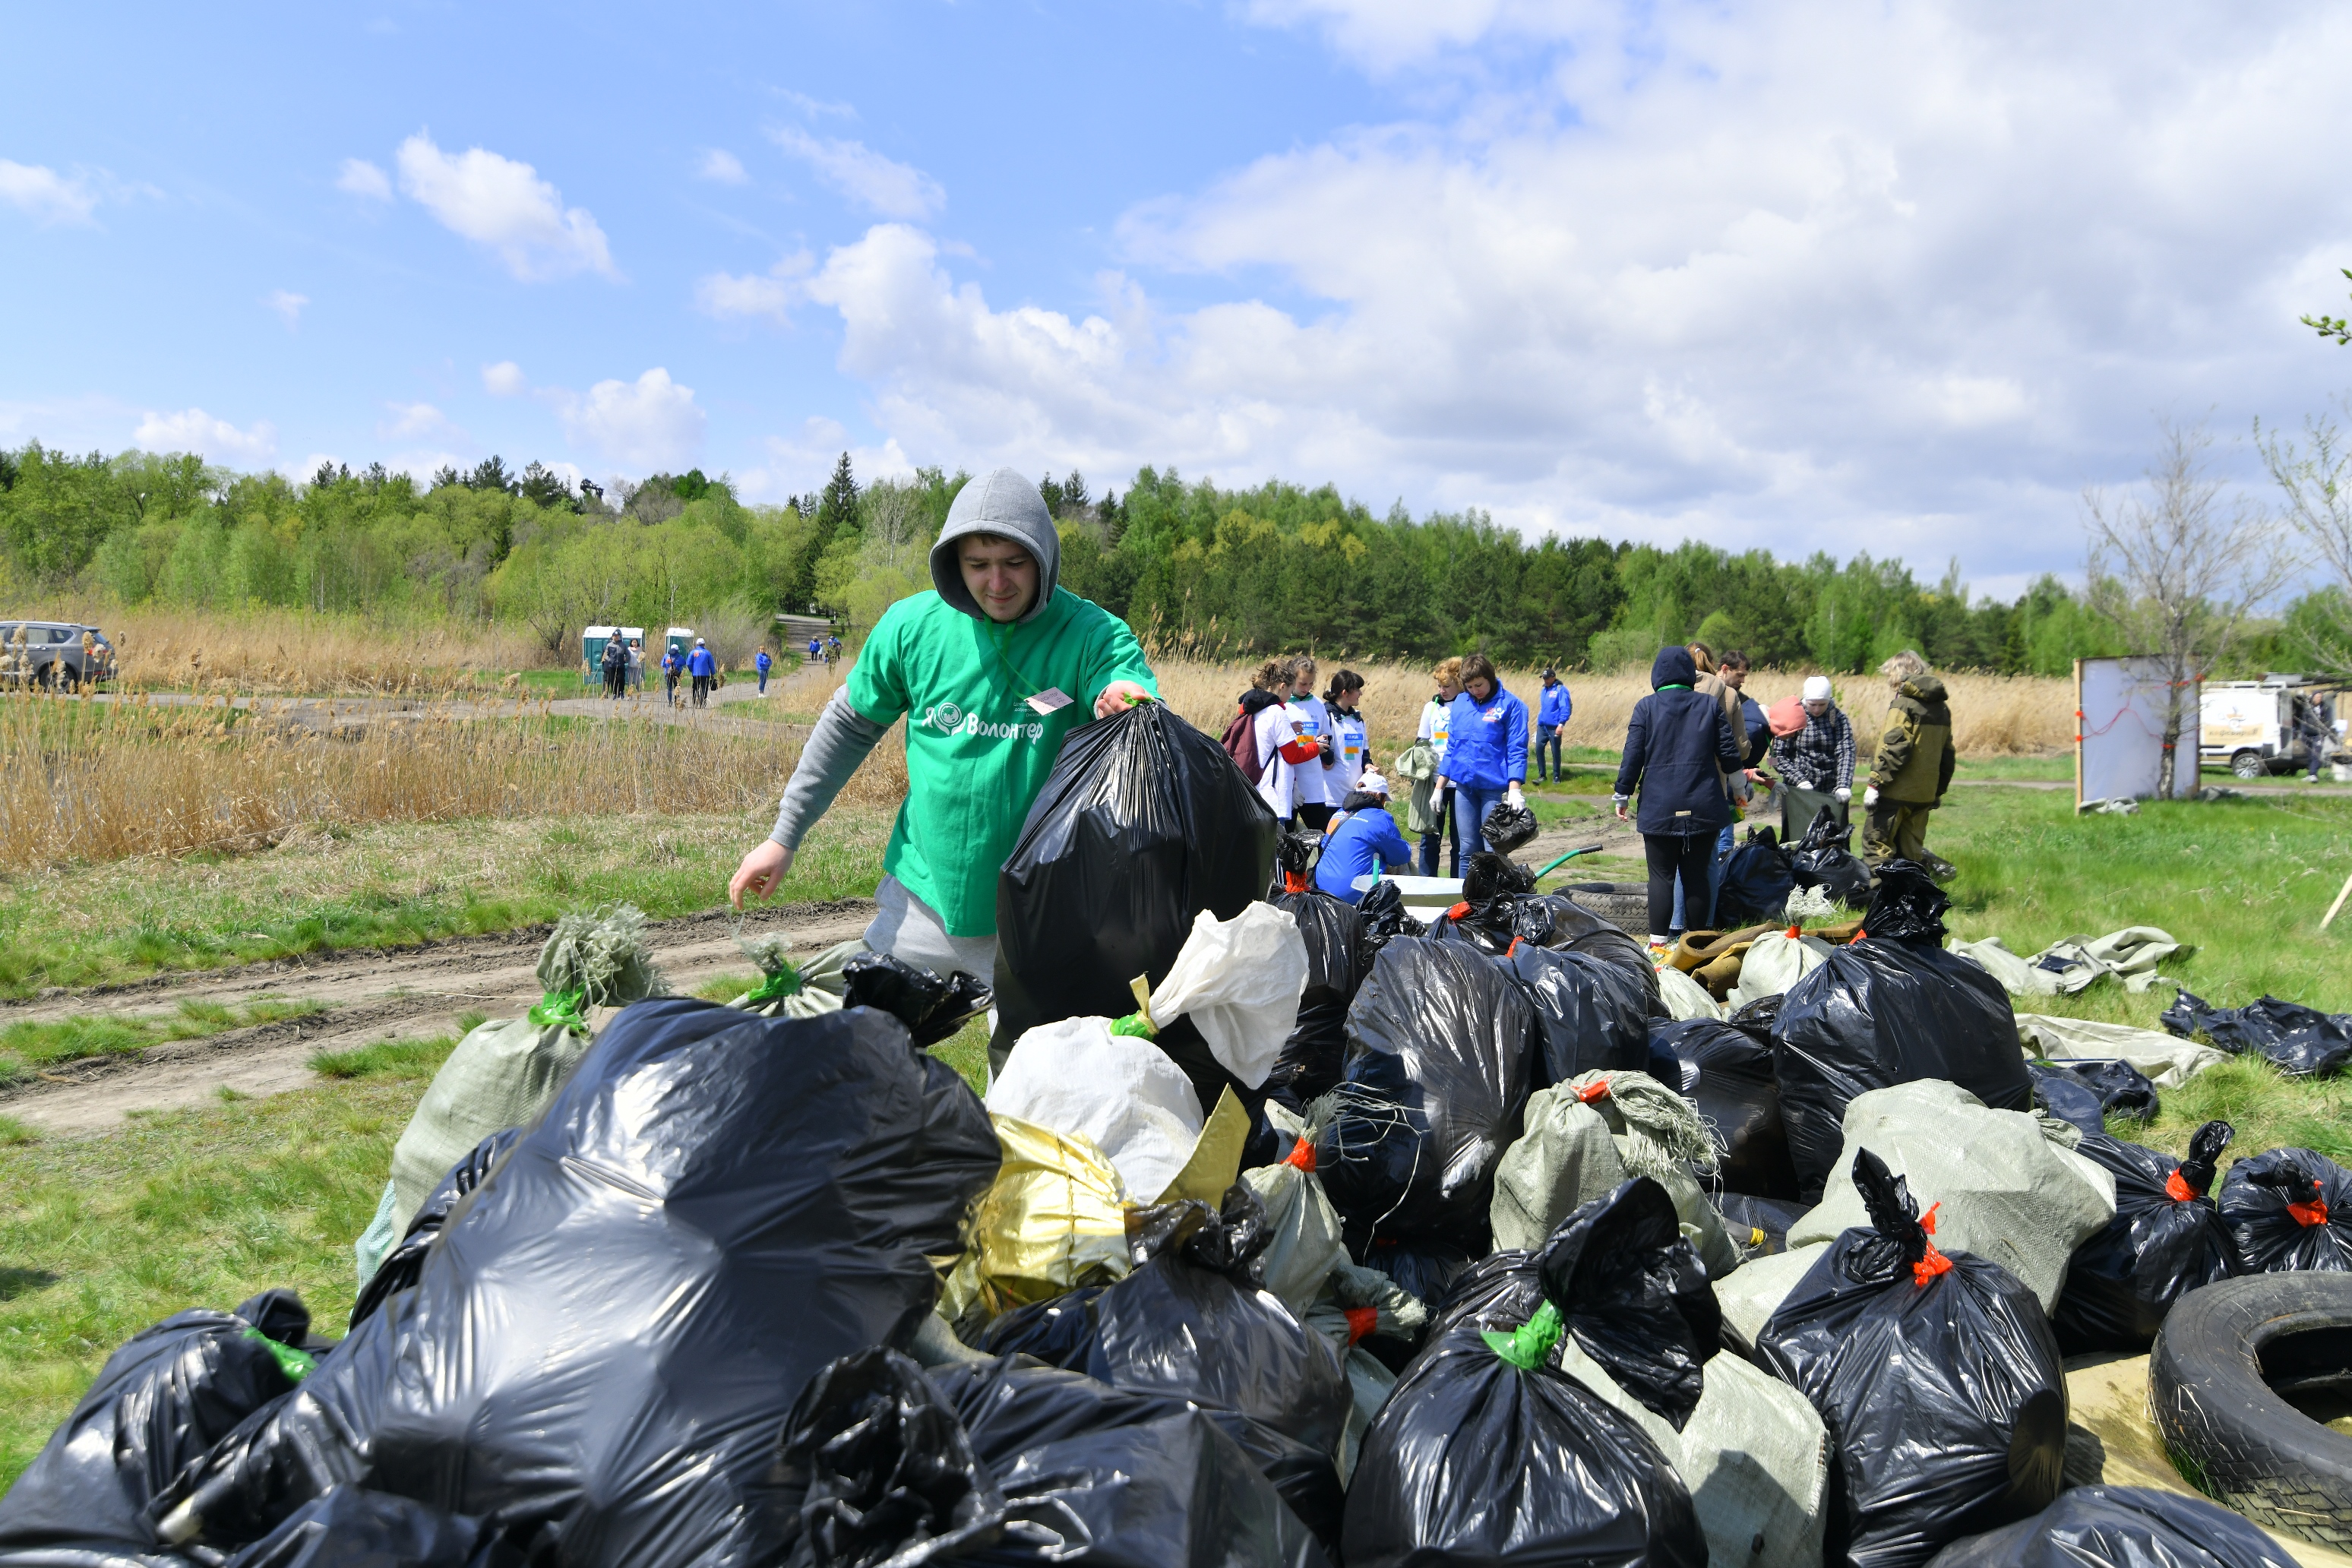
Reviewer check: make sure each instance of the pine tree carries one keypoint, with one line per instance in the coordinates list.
(836, 510)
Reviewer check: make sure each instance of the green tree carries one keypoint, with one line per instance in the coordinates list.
(837, 510)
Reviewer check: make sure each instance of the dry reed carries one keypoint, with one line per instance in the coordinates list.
(282, 652)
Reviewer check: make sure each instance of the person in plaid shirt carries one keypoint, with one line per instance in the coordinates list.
(1816, 763)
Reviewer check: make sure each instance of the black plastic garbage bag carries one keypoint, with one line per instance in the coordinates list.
(1937, 1376)
(1193, 1322)
(1907, 907)
(1738, 1099)
(1384, 915)
(2122, 1527)
(1631, 1289)
(1590, 1015)
(1487, 1453)
(1144, 823)
(1295, 852)
(1487, 875)
(2086, 1093)
(2298, 1040)
(403, 1264)
(1440, 1051)
(933, 1008)
(1879, 1012)
(1005, 1463)
(611, 1329)
(160, 1403)
(1339, 952)
(1757, 882)
(2288, 1209)
(351, 1527)
(2070, 1099)
(1495, 923)
(2167, 1239)
(1822, 859)
(1507, 828)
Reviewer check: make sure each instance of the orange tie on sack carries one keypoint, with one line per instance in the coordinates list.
(1935, 1262)
(1302, 1155)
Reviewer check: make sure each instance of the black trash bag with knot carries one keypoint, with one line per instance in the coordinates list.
(1486, 1452)
(1193, 1322)
(1384, 915)
(749, 1199)
(2300, 1041)
(1144, 823)
(1441, 1046)
(1590, 1015)
(1632, 1291)
(1489, 875)
(933, 1008)
(1727, 1075)
(1821, 859)
(1498, 924)
(2167, 1238)
(1008, 1463)
(1339, 952)
(1295, 853)
(1936, 1374)
(1879, 1012)
(403, 1263)
(161, 1402)
(2122, 1527)
(2086, 1093)
(1507, 828)
(1907, 907)
(2289, 1209)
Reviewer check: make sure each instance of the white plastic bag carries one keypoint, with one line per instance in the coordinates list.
(1239, 981)
(1685, 997)
(1774, 963)
(1120, 1093)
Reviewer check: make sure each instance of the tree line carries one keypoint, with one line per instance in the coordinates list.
(1192, 566)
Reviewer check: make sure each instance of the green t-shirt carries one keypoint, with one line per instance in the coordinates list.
(977, 751)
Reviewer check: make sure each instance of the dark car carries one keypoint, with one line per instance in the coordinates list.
(51, 654)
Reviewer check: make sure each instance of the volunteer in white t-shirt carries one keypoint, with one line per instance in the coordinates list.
(1349, 736)
(1435, 717)
(1292, 753)
(1307, 721)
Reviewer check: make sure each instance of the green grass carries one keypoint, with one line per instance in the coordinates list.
(2057, 767)
(24, 1048)
(394, 885)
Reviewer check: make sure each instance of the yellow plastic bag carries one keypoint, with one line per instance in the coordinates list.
(1055, 1219)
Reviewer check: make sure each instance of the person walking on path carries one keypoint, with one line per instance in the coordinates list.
(636, 665)
(2311, 724)
(1485, 749)
(1350, 734)
(671, 665)
(1552, 710)
(1679, 750)
(816, 650)
(616, 664)
(1365, 841)
(1913, 768)
(701, 666)
(761, 664)
(1815, 762)
(991, 669)
(1436, 727)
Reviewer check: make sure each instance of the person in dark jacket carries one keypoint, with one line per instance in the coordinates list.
(1679, 750)
(616, 666)
(1913, 769)
(703, 668)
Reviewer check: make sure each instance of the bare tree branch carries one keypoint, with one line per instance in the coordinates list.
(2317, 483)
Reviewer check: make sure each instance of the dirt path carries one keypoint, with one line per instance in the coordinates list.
(368, 996)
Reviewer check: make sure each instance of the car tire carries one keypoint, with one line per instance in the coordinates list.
(1626, 905)
(2228, 1428)
(2249, 766)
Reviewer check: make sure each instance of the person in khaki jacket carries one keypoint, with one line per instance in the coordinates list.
(1913, 768)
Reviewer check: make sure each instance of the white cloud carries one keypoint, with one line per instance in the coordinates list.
(504, 204)
(361, 178)
(771, 294)
(194, 430)
(798, 464)
(880, 185)
(641, 425)
(416, 422)
(1898, 280)
(504, 379)
(44, 195)
(287, 304)
(720, 165)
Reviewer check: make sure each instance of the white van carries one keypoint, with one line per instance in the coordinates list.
(2249, 726)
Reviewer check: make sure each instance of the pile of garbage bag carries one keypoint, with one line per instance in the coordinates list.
(2300, 1041)
(1822, 859)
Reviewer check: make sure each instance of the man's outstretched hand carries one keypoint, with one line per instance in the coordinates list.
(1118, 697)
(761, 869)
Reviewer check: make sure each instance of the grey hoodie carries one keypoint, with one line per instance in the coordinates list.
(1005, 504)
(1001, 503)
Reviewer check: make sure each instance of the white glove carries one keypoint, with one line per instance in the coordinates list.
(1512, 795)
(1843, 795)
(1869, 797)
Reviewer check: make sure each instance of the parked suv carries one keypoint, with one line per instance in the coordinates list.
(54, 654)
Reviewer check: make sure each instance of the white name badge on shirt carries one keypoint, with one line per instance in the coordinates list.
(1494, 718)
(1049, 699)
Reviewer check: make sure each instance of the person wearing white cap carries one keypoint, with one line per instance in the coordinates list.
(1816, 763)
(1362, 840)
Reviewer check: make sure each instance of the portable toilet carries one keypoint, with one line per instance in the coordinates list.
(680, 641)
(592, 653)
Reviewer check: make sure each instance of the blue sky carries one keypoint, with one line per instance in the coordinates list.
(1894, 277)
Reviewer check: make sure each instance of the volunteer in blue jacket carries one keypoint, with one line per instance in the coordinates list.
(1553, 710)
(763, 663)
(702, 666)
(1361, 842)
(1679, 749)
(1485, 749)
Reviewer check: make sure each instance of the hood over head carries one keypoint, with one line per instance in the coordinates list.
(1924, 689)
(1674, 666)
(1008, 505)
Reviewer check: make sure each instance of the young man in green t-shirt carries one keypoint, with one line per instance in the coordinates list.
(990, 672)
